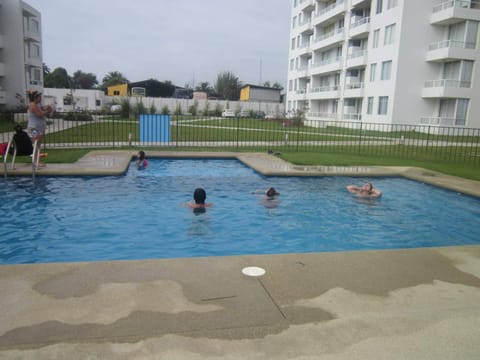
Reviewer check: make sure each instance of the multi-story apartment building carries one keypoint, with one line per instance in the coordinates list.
(386, 61)
(20, 52)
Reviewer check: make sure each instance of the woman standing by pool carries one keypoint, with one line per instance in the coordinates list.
(37, 123)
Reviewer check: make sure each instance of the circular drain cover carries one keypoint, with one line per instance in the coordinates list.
(253, 271)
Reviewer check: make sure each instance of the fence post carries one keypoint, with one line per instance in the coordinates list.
(428, 137)
(360, 138)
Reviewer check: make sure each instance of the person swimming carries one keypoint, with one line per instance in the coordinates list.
(199, 205)
(270, 198)
(141, 162)
(366, 191)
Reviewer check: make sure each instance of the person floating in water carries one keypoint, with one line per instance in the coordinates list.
(269, 198)
(141, 162)
(366, 191)
(199, 205)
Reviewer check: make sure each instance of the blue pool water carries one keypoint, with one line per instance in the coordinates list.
(140, 215)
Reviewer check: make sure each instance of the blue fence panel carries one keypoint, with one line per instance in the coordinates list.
(154, 128)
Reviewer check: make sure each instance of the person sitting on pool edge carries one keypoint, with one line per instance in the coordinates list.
(367, 191)
(199, 197)
(141, 162)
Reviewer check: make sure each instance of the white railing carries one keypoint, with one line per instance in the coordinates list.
(326, 9)
(442, 121)
(362, 21)
(357, 53)
(468, 4)
(327, 62)
(325, 88)
(358, 85)
(352, 117)
(447, 83)
(451, 43)
(301, 91)
(322, 115)
(329, 34)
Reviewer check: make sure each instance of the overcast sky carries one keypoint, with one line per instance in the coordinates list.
(183, 41)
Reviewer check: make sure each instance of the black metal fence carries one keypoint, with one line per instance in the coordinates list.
(419, 142)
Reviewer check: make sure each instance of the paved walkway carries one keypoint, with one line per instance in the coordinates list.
(396, 304)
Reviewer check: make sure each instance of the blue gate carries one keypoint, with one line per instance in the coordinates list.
(154, 128)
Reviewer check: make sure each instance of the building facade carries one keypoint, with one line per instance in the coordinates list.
(385, 61)
(21, 65)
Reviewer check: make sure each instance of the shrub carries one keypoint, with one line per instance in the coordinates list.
(165, 110)
(153, 109)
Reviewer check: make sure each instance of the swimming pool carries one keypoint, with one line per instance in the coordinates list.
(140, 215)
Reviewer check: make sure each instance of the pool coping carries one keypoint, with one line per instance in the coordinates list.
(407, 303)
(116, 163)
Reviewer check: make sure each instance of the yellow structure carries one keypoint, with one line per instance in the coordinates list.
(118, 90)
(245, 93)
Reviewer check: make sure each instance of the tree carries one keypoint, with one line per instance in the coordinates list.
(205, 87)
(58, 78)
(266, 84)
(277, 85)
(83, 80)
(227, 86)
(113, 78)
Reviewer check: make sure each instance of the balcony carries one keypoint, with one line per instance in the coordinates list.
(446, 88)
(354, 90)
(327, 66)
(325, 92)
(356, 3)
(3, 97)
(303, 71)
(453, 11)
(31, 36)
(306, 26)
(322, 116)
(353, 117)
(357, 58)
(303, 49)
(448, 50)
(307, 5)
(329, 39)
(360, 27)
(442, 121)
(330, 11)
(33, 61)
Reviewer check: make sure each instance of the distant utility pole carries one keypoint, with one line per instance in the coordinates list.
(260, 77)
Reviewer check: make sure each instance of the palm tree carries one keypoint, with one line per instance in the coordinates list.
(113, 78)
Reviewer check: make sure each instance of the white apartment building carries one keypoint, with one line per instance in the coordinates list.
(386, 62)
(20, 52)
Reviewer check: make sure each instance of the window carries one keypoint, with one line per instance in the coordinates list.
(34, 26)
(382, 105)
(370, 105)
(379, 6)
(36, 74)
(98, 102)
(386, 70)
(373, 70)
(376, 37)
(461, 113)
(392, 3)
(290, 85)
(116, 92)
(294, 22)
(34, 50)
(293, 44)
(292, 64)
(389, 34)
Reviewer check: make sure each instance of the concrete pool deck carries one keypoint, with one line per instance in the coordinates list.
(394, 304)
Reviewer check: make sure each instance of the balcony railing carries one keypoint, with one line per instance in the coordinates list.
(356, 117)
(326, 9)
(451, 44)
(326, 88)
(326, 62)
(442, 121)
(360, 22)
(356, 53)
(357, 85)
(466, 4)
(447, 83)
(322, 115)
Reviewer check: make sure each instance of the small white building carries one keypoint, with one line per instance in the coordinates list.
(66, 100)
